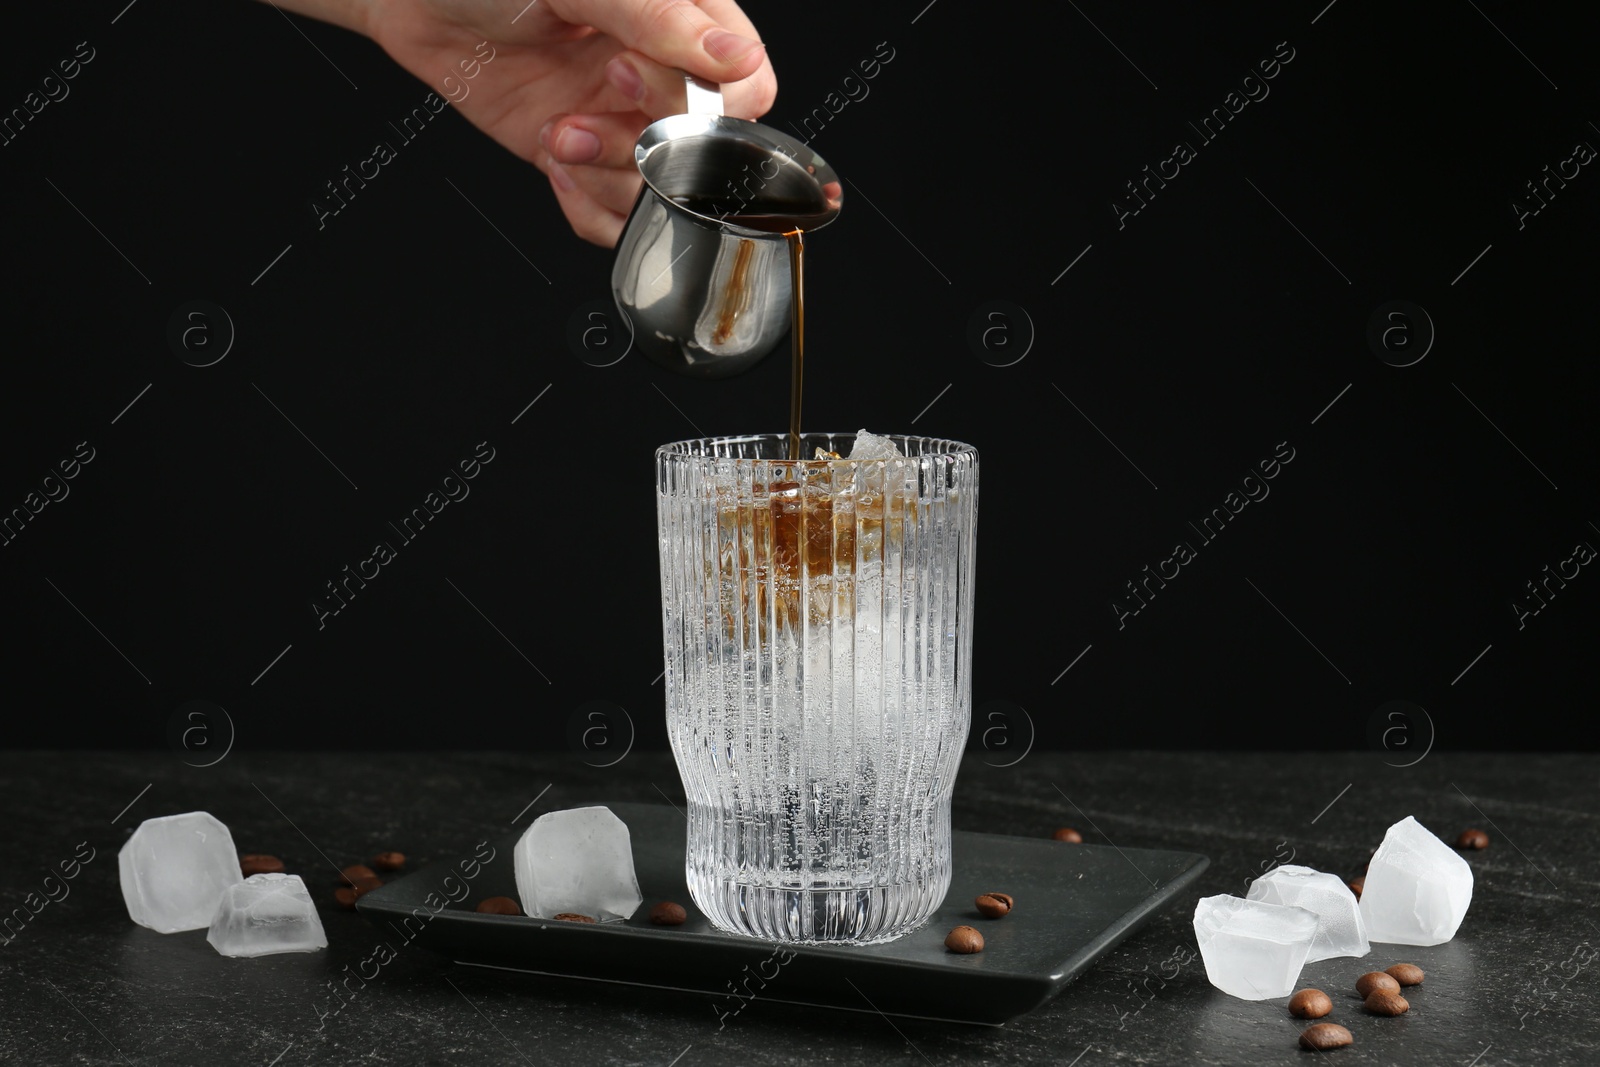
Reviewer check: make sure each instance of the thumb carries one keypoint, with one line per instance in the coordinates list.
(674, 33)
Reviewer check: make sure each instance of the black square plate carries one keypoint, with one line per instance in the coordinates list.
(1074, 903)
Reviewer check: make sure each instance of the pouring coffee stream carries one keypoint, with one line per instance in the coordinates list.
(797, 330)
(700, 273)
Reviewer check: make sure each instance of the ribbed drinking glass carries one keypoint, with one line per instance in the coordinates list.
(817, 618)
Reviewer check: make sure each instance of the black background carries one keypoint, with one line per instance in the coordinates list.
(982, 163)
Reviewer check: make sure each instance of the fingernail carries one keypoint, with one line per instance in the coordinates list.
(627, 81)
(544, 135)
(728, 47)
(577, 146)
(562, 179)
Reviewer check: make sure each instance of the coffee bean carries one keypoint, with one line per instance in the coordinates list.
(389, 861)
(1069, 835)
(255, 863)
(1474, 839)
(667, 913)
(1324, 1036)
(965, 940)
(574, 917)
(993, 905)
(1405, 973)
(1357, 884)
(1383, 1002)
(349, 875)
(362, 886)
(1376, 982)
(345, 896)
(1310, 1004)
(499, 906)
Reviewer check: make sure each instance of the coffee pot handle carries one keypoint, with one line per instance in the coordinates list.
(704, 98)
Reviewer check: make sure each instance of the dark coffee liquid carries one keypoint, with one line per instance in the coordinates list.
(790, 218)
(769, 214)
(797, 330)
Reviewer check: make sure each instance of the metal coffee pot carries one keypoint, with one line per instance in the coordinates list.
(702, 270)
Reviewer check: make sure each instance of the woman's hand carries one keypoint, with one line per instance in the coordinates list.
(568, 85)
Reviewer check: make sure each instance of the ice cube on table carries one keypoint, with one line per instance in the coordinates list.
(871, 446)
(1417, 890)
(265, 914)
(1253, 950)
(578, 860)
(1340, 931)
(174, 870)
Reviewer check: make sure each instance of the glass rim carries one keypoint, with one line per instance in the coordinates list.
(685, 449)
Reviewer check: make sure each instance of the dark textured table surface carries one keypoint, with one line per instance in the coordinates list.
(80, 983)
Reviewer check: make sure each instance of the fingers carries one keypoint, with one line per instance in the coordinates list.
(595, 152)
(674, 33)
(589, 159)
(658, 90)
(589, 219)
(612, 189)
(604, 140)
